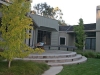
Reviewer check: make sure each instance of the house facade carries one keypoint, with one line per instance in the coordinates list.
(45, 30)
(49, 31)
(90, 32)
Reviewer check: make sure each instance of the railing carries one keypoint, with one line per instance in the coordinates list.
(63, 46)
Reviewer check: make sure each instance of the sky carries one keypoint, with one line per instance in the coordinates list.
(74, 9)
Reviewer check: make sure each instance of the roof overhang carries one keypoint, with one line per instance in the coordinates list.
(85, 31)
(44, 22)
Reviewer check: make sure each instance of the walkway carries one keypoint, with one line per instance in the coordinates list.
(53, 70)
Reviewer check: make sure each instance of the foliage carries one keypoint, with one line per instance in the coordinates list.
(79, 34)
(14, 28)
(61, 22)
(89, 54)
(46, 10)
(23, 68)
(91, 67)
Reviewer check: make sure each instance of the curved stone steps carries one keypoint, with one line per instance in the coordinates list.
(56, 57)
(83, 59)
(55, 60)
(71, 54)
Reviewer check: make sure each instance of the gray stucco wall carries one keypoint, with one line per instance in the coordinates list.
(63, 34)
(97, 41)
(98, 29)
(71, 40)
(54, 39)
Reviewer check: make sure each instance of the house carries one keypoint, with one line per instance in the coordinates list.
(48, 31)
(67, 33)
(92, 42)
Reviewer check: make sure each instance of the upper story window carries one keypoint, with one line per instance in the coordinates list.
(90, 34)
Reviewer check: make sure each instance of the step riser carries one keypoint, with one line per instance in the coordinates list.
(57, 56)
(55, 61)
(66, 64)
(84, 59)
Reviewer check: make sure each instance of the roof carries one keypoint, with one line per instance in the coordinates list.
(42, 21)
(63, 28)
(91, 26)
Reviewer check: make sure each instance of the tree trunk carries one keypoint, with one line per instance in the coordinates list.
(9, 63)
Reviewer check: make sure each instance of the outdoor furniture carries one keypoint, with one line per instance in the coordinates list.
(40, 45)
(59, 46)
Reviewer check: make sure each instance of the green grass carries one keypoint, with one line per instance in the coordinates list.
(91, 67)
(22, 68)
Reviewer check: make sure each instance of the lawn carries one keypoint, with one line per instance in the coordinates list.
(23, 68)
(91, 67)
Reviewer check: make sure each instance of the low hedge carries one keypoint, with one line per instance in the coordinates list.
(89, 54)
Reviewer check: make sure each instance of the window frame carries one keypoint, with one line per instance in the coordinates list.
(60, 38)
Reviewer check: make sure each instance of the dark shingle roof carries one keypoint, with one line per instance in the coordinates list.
(91, 26)
(63, 28)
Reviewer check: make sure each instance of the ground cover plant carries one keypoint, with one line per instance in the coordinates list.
(23, 68)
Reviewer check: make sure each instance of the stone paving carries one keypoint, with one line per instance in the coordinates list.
(53, 70)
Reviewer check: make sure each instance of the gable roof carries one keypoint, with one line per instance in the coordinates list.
(42, 21)
(91, 26)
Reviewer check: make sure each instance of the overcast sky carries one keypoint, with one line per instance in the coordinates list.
(74, 9)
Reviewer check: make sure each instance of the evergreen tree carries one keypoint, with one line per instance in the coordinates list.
(14, 27)
(79, 34)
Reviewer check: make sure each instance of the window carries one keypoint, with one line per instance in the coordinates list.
(90, 34)
(62, 41)
(90, 43)
(29, 37)
(44, 36)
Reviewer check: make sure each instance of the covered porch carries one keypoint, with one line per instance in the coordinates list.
(45, 30)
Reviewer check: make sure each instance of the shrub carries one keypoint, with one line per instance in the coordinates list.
(98, 55)
(88, 54)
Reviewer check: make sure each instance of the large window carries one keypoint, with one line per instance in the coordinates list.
(90, 43)
(44, 36)
(62, 41)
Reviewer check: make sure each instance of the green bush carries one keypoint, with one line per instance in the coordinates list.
(98, 55)
(88, 54)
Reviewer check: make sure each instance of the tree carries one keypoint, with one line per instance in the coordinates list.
(79, 34)
(44, 9)
(14, 27)
(61, 22)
